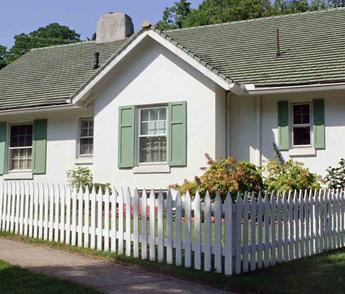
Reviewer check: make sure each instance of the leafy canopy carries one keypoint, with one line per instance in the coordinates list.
(181, 14)
(50, 35)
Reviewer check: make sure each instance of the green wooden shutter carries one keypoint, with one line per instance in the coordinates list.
(319, 123)
(39, 146)
(283, 124)
(126, 137)
(3, 135)
(177, 134)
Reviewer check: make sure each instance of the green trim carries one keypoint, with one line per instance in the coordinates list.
(39, 146)
(3, 136)
(283, 125)
(177, 134)
(319, 124)
(126, 137)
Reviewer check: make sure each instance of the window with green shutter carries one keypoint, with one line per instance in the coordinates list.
(39, 146)
(319, 123)
(126, 147)
(283, 125)
(3, 136)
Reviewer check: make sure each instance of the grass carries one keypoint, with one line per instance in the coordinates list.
(16, 280)
(323, 273)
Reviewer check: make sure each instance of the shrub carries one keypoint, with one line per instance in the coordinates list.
(289, 176)
(82, 177)
(336, 176)
(227, 175)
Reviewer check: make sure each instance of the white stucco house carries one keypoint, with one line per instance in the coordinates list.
(142, 109)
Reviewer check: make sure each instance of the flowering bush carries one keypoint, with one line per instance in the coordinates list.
(227, 175)
(336, 176)
(289, 176)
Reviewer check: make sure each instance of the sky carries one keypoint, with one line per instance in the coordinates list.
(24, 16)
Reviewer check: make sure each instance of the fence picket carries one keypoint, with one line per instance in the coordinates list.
(74, 217)
(273, 217)
(296, 222)
(178, 224)
(41, 207)
(169, 215)
(260, 230)
(136, 224)
(245, 264)
(253, 230)
(120, 229)
(99, 229)
(68, 214)
(35, 222)
(93, 219)
(128, 223)
(13, 205)
(80, 216)
(228, 259)
(152, 238)
(57, 212)
(113, 220)
(197, 232)
(87, 218)
(207, 233)
(280, 213)
(17, 209)
(6, 207)
(267, 230)
(160, 221)
(26, 208)
(106, 219)
(238, 225)
(144, 225)
(317, 220)
(1, 207)
(286, 227)
(187, 231)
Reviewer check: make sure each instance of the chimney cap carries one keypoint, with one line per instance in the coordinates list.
(146, 24)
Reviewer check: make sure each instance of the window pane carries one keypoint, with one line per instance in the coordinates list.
(21, 159)
(144, 128)
(144, 115)
(301, 114)
(162, 114)
(86, 146)
(153, 149)
(153, 114)
(21, 136)
(301, 136)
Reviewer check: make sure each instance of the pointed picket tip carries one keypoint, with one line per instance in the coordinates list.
(218, 198)
(259, 196)
(169, 196)
(178, 198)
(207, 197)
(197, 196)
(238, 198)
(228, 198)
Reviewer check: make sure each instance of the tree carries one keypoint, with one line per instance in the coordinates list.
(53, 34)
(3, 54)
(174, 17)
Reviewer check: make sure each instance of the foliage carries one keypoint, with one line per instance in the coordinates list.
(289, 176)
(226, 175)
(3, 54)
(82, 177)
(174, 16)
(181, 14)
(336, 176)
(50, 35)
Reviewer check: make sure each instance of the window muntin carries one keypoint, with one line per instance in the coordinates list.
(20, 147)
(86, 137)
(153, 134)
(301, 124)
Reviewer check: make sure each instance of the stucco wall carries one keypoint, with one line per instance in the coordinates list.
(244, 125)
(153, 75)
(62, 140)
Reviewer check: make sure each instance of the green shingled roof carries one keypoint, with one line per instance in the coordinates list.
(49, 76)
(312, 45)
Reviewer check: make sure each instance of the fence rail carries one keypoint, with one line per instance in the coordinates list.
(227, 236)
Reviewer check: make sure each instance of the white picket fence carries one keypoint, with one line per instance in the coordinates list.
(226, 237)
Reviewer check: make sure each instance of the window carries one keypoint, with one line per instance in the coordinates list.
(20, 147)
(301, 124)
(153, 134)
(86, 137)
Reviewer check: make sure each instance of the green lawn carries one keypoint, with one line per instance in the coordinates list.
(16, 280)
(323, 273)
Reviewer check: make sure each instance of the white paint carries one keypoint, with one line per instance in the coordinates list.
(62, 142)
(244, 129)
(153, 75)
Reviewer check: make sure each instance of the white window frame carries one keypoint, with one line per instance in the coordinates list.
(138, 135)
(85, 137)
(9, 157)
(310, 125)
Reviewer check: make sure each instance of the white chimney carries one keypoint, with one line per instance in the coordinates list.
(114, 27)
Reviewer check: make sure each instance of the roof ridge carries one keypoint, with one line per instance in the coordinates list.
(62, 45)
(257, 19)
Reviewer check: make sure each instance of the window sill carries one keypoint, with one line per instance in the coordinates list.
(303, 151)
(152, 169)
(87, 160)
(18, 176)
